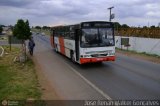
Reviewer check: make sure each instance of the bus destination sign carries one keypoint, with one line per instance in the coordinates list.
(96, 25)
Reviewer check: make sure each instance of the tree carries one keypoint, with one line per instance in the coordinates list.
(37, 27)
(145, 27)
(1, 29)
(22, 32)
(152, 27)
(28, 30)
(46, 27)
(125, 26)
(117, 25)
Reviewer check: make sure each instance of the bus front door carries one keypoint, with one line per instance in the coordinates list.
(77, 34)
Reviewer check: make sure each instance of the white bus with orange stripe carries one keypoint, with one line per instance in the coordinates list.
(86, 42)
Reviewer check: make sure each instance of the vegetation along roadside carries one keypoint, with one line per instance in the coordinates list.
(18, 81)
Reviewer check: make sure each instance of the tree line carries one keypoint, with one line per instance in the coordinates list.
(118, 25)
(43, 27)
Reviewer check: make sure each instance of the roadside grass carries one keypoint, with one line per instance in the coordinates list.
(47, 32)
(35, 30)
(17, 81)
(0, 51)
(143, 55)
(140, 53)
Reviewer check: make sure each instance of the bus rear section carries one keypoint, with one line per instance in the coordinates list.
(87, 42)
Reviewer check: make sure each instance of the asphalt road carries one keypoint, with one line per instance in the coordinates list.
(126, 78)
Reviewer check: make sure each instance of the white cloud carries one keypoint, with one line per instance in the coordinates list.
(53, 12)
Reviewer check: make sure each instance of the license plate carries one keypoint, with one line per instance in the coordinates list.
(99, 59)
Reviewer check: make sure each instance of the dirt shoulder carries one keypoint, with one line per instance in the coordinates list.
(48, 92)
(151, 58)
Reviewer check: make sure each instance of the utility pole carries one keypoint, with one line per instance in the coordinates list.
(110, 8)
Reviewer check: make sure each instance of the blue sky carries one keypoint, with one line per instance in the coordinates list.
(58, 12)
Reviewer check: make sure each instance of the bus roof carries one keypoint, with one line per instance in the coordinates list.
(81, 24)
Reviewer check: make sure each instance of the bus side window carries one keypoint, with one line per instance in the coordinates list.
(67, 35)
(59, 34)
(72, 35)
(64, 34)
(56, 33)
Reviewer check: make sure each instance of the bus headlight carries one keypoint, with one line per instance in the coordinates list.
(111, 53)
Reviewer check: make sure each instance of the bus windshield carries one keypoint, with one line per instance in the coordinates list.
(97, 37)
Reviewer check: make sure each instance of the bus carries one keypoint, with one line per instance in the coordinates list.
(86, 42)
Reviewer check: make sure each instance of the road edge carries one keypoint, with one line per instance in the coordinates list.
(48, 91)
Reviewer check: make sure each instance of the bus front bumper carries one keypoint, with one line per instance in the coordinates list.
(98, 59)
